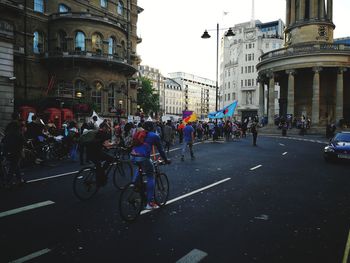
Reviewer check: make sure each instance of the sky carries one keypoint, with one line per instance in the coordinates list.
(171, 30)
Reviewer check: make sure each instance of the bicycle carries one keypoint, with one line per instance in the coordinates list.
(133, 197)
(85, 182)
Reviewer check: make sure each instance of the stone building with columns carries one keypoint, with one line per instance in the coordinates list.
(311, 69)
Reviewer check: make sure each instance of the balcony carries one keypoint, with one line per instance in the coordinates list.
(86, 56)
(88, 16)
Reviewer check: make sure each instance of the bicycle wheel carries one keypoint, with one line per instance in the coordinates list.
(122, 174)
(84, 184)
(161, 192)
(130, 203)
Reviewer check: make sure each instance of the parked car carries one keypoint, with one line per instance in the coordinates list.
(338, 147)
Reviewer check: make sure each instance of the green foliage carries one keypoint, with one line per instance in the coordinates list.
(147, 97)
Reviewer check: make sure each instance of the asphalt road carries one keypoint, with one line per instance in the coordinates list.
(278, 202)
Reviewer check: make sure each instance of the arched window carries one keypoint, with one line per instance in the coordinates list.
(62, 8)
(96, 95)
(112, 95)
(79, 41)
(39, 6)
(38, 42)
(103, 3)
(123, 51)
(62, 41)
(111, 46)
(120, 8)
(97, 43)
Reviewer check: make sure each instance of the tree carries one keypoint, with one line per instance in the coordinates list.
(147, 98)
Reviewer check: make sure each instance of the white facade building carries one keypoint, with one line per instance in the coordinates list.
(199, 94)
(173, 98)
(239, 57)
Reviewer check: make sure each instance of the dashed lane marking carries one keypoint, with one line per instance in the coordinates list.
(256, 167)
(189, 194)
(281, 144)
(194, 256)
(346, 251)
(52, 177)
(284, 153)
(31, 256)
(25, 208)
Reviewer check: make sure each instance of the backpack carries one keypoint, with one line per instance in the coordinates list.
(139, 137)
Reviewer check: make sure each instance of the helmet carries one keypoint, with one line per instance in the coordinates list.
(148, 126)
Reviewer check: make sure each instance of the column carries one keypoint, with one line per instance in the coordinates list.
(261, 97)
(316, 96)
(313, 9)
(292, 12)
(288, 13)
(330, 9)
(291, 91)
(340, 95)
(302, 10)
(322, 9)
(271, 110)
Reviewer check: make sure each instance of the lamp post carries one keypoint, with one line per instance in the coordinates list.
(206, 35)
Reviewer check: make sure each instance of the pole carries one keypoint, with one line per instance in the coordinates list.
(217, 66)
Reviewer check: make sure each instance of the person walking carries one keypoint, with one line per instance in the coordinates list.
(188, 133)
(168, 136)
(254, 131)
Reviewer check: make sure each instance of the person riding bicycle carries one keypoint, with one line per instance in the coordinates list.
(96, 152)
(141, 155)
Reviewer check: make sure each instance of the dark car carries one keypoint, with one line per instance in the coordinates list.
(338, 147)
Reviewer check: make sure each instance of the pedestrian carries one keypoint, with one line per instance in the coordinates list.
(13, 143)
(254, 131)
(188, 133)
(168, 136)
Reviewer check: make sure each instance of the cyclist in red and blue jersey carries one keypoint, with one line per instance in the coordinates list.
(141, 155)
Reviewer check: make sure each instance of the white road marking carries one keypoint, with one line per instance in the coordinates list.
(189, 194)
(31, 256)
(281, 144)
(25, 208)
(52, 177)
(346, 251)
(256, 167)
(284, 153)
(194, 256)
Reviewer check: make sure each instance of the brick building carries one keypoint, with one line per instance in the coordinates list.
(64, 53)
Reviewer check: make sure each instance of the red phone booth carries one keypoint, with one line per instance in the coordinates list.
(54, 116)
(67, 115)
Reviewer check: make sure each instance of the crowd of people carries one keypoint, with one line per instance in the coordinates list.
(74, 140)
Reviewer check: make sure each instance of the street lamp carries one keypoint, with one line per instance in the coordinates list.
(206, 35)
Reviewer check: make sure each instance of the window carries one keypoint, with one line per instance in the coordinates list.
(79, 41)
(111, 46)
(80, 86)
(62, 41)
(63, 8)
(120, 8)
(103, 3)
(111, 95)
(229, 96)
(241, 70)
(241, 82)
(267, 45)
(39, 6)
(38, 43)
(233, 96)
(96, 95)
(97, 43)
(123, 52)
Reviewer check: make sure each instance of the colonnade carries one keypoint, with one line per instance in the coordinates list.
(300, 10)
(270, 79)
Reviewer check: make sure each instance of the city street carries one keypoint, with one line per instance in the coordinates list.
(277, 202)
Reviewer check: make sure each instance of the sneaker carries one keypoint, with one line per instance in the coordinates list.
(151, 206)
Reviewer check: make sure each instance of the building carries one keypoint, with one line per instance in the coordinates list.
(67, 53)
(311, 68)
(239, 57)
(172, 98)
(199, 93)
(344, 40)
(157, 80)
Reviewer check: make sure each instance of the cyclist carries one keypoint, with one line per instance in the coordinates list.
(97, 154)
(141, 155)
